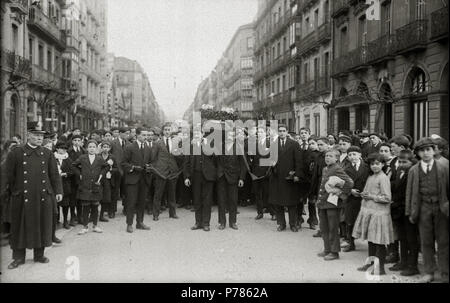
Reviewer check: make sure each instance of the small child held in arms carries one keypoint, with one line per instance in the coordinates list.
(374, 222)
(334, 188)
(90, 168)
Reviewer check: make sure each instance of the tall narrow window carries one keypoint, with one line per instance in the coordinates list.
(362, 31)
(420, 9)
(386, 17)
(305, 72)
(326, 67)
(15, 38)
(30, 50)
(316, 70)
(326, 11)
(49, 61)
(316, 19)
(344, 42)
(41, 55)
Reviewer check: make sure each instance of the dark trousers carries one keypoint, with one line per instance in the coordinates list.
(92, 209)
(408, 235)
(261, 192)
(202, 195)
(312, 213)
(433, 226)
(135, 201)
(281, 219)
(19, 254)
(228, 198)
(123, 193)
(379, 251)
(329, 226)
(160, 186)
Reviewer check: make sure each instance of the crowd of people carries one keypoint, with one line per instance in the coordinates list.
(391, 192)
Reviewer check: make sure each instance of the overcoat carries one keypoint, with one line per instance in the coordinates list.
(133, 156)
(90, 174)
(282, 191)
(33, 179)
(110, 183)
(353, 204)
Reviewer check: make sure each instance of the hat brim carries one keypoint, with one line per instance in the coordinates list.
(418, 148)
(37, 132)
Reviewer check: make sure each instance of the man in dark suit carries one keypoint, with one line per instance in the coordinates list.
(344, 144)
(117, 150)
(165, 173)
(231, 173)
(260, 174)
(75, 150)
(200, 172)
(285, 173)
(134, 161)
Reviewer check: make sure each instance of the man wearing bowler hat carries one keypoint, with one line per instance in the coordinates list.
(32, 178)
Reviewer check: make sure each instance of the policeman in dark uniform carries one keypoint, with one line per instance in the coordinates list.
(32, 177)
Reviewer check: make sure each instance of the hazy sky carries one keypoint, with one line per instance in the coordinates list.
(175, 41)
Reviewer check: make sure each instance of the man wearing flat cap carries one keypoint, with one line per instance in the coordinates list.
(427, 204)
(32, 178)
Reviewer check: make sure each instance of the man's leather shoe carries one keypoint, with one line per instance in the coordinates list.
(234, 226)
(16, 263)
(322, 254)
(398, 267)
(349, 248)
(222, 226)
(42, 259)
(155, 218)
(206, 228)
(174, 217)
(129, 229)
(196, 226)
(142, 226)
(409, 272)
(56, 240)
(259, 216)
(281, 228)
(364, 267)
(331, 256)
(294, 229)
(103, 219)
(318, 234)
(312, 226)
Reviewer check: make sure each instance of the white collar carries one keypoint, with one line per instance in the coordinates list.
(425, 165)
(33, 147)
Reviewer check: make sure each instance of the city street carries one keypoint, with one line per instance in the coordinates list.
(171, 252)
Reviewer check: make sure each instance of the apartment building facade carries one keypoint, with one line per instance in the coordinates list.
(390, 67)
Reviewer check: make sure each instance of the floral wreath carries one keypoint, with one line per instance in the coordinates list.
(225, 113)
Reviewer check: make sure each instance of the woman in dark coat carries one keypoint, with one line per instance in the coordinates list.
(109, 180)
(64, 164)
(90, 169)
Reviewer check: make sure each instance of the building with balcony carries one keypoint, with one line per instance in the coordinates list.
(131, 100)
(277, 66)
(390, 67)
(15, 68)
(92, 62)
(314, 53)
(237, 74)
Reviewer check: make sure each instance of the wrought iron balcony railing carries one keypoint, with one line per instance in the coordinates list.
(38, 20)
(17, 65)
(20, 6)
(382, 48)
(439, 24)
(340, 7)
(412, 36)
(45, 78)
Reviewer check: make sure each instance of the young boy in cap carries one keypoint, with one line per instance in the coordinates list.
(64, 164)
(358, 171)
(404, 231)
(344, 144)
(427, 204)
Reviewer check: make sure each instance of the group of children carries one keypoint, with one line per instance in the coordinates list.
(88, 180)
(396, 199)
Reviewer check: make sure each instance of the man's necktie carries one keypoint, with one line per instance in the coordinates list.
(167, 145)
(428, 168)
(304, 145)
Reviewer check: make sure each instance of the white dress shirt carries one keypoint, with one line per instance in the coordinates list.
(170, 143)
(91, 158)
(425, 165)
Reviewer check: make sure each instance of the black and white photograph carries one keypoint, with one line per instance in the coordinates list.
(224, 142)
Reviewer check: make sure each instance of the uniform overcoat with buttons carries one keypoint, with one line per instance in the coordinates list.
(33, 179)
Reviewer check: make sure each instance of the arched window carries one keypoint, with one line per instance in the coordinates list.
(387, 110)
(416, 86)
